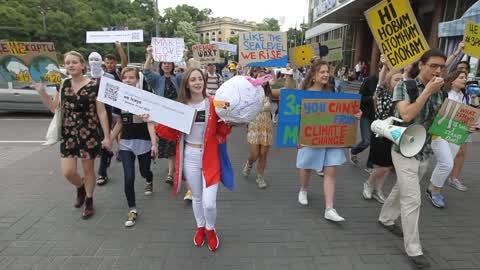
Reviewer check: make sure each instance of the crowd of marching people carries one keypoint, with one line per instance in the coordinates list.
(414, 94)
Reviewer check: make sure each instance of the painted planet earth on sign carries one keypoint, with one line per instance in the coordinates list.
(12, 68)
(45, 69)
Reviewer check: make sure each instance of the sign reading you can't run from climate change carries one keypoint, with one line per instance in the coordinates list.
(397, 32)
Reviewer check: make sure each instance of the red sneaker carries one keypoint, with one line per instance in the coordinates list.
(213, 241)
(199, 238)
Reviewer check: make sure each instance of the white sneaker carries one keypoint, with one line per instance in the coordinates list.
(247, 168)
(367, 191)
(331, 214)
(378, 195)
(320, 173)
(302, 197)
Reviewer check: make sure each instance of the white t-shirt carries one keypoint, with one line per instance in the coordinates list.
(457, 96)
(198, 130)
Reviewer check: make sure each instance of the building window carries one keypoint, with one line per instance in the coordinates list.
(232, 32)
(208, 34)
(213, 38)
(220, 39)
(219, 32)
(213, 33)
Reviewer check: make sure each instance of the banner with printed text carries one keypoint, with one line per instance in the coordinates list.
(397, 33)
(453, 121)
(168, 49)
(24, 62)
(472, 39)
(263, 49)
(289, 127)
(206, 53)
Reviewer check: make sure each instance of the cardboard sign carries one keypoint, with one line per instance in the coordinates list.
(137, 101)
(114, 36)
(263, 49)
(472, 39)
(290, 109)
(328, 122)
(24, 62)
(168, 49)
(207, 53)
(397, 32)
(335, 50)
(453, 121)
(301, 55)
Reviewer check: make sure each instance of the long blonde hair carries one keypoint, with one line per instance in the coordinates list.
(80, 57)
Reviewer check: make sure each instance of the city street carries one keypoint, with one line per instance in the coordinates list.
(258, 229)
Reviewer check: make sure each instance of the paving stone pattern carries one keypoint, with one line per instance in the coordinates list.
(258, 229)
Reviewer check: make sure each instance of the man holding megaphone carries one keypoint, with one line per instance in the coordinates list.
(416, 102)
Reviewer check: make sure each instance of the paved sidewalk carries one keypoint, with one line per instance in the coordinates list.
(259, 229)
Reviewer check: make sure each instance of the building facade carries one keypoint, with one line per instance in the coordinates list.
(221, 29)
(345, 19)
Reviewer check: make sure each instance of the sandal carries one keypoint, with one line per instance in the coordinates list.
(102, 180)
(169, 180)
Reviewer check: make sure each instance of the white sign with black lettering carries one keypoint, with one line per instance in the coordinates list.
(137, 101)
(114, 36)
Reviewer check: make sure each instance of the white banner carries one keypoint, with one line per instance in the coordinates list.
(134, 100)
(225, 46)
(113, 36)
(168, 49)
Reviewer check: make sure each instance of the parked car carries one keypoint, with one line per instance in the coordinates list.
(22, 98)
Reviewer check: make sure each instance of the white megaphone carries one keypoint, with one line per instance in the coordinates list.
(410, 139)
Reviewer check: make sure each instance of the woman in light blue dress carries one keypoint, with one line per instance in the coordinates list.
(326, 159)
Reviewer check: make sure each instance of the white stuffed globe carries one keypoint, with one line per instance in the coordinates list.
(238, 100)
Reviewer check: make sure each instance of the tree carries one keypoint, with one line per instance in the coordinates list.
(269, 24)
(188, 32)
(181, 13)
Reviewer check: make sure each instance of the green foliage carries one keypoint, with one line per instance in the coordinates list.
(269, 24)
(189, 34)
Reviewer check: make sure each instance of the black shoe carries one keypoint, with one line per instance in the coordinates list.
(119, 159)
(109, 158)
(169, 180)
(420, 262)
(102, 180)
(392, 228)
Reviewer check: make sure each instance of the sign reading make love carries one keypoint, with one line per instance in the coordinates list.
(263, 49)
(22, 62)
(168, 49)
(397, 32)
(206, 53)
(320, 116)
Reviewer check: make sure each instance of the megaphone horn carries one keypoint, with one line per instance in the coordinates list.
(410, 139)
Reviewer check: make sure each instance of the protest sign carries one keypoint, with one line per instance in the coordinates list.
(207, 53)
(22, 62)
(289, 115)
(328, 122)
(137, 101)
(472, 39)
(168, 49)
(397, 32)
(114, 36)
(453, 121)
(301, 55)
(335, 50)
(223, 46)
(263, 49)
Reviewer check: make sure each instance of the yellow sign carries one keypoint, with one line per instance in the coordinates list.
(301, 55)
(397, 32)
(472, 39)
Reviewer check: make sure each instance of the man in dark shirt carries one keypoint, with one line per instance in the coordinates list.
(367, 90)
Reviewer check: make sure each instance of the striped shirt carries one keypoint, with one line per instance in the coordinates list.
(213, 83)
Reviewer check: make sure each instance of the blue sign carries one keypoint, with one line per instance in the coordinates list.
(290, 112)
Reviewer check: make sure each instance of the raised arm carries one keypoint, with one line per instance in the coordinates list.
(383, 72)
(452, 57)
(123, 55)
(46, 99)
(148, 62)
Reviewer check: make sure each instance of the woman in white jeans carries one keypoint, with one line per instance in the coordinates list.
(197, 155)
(444, 151)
